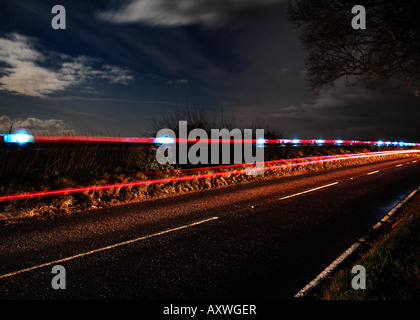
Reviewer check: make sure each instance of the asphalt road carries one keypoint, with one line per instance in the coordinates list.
(262, 240)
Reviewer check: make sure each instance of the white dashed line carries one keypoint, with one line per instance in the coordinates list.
(297, 194)
(106, 248)
(373, 172)
(398, 165)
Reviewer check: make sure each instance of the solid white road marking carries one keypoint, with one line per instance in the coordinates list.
(327, 270)
(105, 248)
(373, 172)
(346, 253)
(297, 194)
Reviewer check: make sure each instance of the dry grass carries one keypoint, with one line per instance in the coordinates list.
(66, 204)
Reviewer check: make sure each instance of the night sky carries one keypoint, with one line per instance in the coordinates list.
(119, 64)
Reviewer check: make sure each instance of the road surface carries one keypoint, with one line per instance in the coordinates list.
(260, 240)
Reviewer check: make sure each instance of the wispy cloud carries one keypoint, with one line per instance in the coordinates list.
(211, 13)
(34, 125)
(28, 70)
(177, 81)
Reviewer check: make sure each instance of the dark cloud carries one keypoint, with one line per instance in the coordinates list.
(351, 113)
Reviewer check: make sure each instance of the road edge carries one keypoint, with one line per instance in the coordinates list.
(312, 285)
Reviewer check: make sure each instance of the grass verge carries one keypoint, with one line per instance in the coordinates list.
(11, 211)
(392, 263)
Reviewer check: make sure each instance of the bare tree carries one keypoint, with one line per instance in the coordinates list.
(385, 55)
(196, 117)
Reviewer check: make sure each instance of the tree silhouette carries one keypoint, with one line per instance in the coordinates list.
(385, 55)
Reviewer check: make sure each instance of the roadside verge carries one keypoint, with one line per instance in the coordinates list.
(109, 195)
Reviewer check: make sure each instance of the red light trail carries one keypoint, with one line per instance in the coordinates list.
(198, 176)
(256, 163)
(95, 139)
